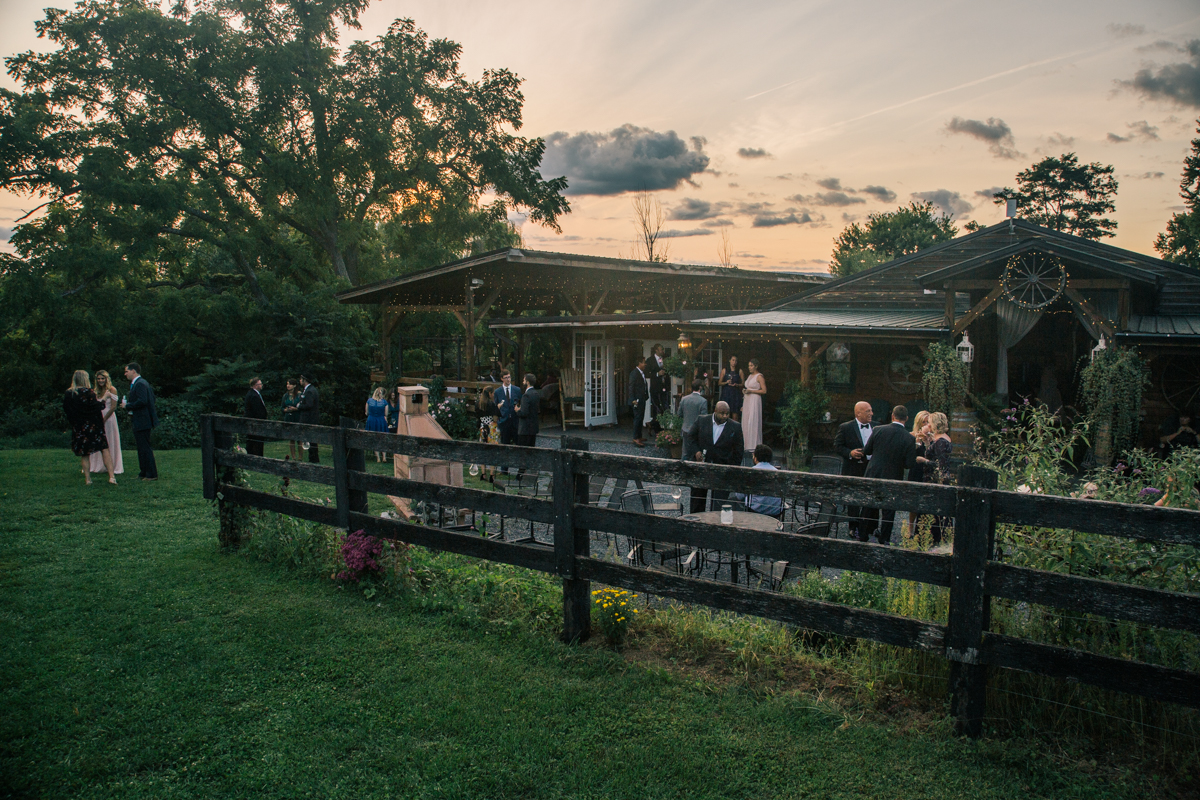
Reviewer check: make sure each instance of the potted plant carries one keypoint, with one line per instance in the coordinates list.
(800, 408)
(670, 435)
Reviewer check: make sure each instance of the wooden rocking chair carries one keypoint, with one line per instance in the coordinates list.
(570, 393)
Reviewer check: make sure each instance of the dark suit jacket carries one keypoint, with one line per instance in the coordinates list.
(892, 449)
(254, 406)
(527, 414)
(849, 437)
(140, 403)
(727, 449)
(637, 386)
(309, 406)
(507, 411)
(660, 385)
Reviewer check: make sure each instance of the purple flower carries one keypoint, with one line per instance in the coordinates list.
(1026, 401)
(1148, 492)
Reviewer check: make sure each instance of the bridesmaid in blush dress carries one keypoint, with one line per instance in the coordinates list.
(752, 391)
(107, 395)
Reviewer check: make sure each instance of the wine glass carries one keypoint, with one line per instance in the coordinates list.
(474, 470)
(676, 494)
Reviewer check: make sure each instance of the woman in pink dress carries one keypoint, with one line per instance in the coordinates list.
(106, 394)
(753, 390)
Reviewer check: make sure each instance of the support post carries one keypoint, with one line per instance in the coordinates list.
(231, 517)
(341, 482)
(974, 538)
(571, 541)
(208, 466)
(356, 461)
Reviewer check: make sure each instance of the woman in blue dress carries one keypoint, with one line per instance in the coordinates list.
(377, 416)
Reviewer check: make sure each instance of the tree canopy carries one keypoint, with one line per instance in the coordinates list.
(244, 126)
(889, 234)
(1061, 194)
(1181, 241)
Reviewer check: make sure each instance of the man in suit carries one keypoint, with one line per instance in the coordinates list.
(527, 412)
(851, 437)
(140, 403)
(892, 449)
(660, 385)
(308, 409)
(638, 394)
(254, 408)
(507, 397)
(691, 408)
(720, 443)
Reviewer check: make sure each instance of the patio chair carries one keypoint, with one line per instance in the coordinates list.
(641, 501)
(570, 394)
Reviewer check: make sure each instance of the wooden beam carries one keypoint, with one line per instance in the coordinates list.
(570, 303)
(951, 297)
(977, 309)
(596, 307)
(1123, 301)
(1088, 311)
(805, 358)
(482, 309)
(439, 309)
(462, 320)
(1081, 283)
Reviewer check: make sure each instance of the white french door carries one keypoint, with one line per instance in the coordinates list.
(598, 399)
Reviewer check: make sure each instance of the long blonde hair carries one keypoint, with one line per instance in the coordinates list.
(377, 394)
(80, 380)
(108, 386)
(919, 422)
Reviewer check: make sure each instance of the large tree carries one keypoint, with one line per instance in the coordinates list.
(1181, 241)
(889, 234)
(1061, 194)
(238, 124)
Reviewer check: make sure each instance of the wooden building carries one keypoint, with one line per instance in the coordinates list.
(1034, 302)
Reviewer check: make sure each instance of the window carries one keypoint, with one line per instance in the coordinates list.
(839, 368)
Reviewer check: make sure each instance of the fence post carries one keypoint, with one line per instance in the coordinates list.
(341, 482)
(231, 516)
(571, 541)
(356, 461)
(974, 536)
(208, 467)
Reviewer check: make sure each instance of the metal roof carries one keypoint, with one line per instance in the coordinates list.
(863, 319)
(1158, 326)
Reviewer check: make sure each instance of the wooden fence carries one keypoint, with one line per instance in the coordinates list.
(970, 572)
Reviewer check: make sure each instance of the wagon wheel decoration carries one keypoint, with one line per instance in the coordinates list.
(904, 372)
(1034, 280)
(1180, 382)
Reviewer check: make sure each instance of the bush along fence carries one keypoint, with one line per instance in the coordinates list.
(972, 572)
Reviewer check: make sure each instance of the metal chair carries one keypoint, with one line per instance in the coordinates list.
(641, 501)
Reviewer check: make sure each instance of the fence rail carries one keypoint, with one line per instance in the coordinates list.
(971, 571)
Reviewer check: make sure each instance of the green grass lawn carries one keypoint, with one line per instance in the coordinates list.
(140, 661)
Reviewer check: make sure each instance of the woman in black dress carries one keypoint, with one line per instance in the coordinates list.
(937, 464)
(85, 413)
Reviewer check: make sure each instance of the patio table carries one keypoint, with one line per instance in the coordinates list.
(741, 519)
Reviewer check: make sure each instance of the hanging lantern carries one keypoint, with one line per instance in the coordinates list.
(966, 350)
(1100, 347)
(685, 343)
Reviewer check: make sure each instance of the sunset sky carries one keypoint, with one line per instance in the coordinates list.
(784, 121)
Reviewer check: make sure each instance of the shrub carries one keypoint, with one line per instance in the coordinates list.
(614, 613)
(178, 424)
(360, 554)
(416, 360)
(454, 418)
(800, 408)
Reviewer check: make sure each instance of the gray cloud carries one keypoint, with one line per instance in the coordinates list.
(1148, 176)
(1123, 30)
(5, 234)
(1179, 82)
(989, 194)
(827, 199)
(1140, 130)
(833, 184)
(1060, 140)
(716, 223)
(994, 131)
(879, 192)
(951, 203)
(626, 159)
(675, 234)
(774, 220)
(1160, 45)
(691, 208)
(753, 152)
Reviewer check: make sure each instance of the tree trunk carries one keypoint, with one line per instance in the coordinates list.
(251, 278)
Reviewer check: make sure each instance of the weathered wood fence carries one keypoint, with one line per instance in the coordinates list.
(970, 572)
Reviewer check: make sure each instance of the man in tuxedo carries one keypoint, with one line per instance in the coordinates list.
(527, 412)
(851, 437)
(254, 408)
(308, 409)
(691, 408)
(140, 403)
(507, 397)
(660, 385)
(638, 394)
(720, 443)
(892, 449)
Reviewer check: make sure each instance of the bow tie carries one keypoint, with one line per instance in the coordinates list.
(865, 427)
